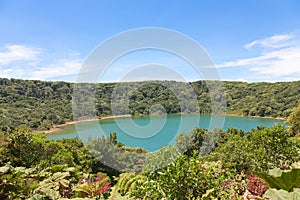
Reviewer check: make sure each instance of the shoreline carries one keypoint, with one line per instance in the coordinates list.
(266, 117)
(60, 126)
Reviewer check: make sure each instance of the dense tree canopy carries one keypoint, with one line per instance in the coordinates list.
(39, 105)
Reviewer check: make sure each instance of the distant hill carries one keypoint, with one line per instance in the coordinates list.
(40, 104)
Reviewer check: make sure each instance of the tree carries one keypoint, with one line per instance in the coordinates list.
(294, 121)
(258, 150)
(22, 149)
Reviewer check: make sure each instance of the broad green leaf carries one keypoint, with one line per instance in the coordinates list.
(51, 193)
(296, 165)
(60, 175)
(275, 172)
(70, 169)
(275, 194)
(64, 182)
(38, 197)
(287, 181)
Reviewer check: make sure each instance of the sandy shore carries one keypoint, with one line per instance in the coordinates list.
(235, 115)
(59, 127)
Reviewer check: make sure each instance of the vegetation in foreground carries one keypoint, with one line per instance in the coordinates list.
(261, 164)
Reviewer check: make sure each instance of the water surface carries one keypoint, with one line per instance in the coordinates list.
(166, 135)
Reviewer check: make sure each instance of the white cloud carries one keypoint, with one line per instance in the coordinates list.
(11, 73)
(279, 58)
(19, 61)
(276, 41)
(15, 53)
(251, 44)
(284, 62)
(63, 67)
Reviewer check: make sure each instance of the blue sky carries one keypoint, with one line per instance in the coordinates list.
(257, 40)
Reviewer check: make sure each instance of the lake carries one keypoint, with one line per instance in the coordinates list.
(157, 131)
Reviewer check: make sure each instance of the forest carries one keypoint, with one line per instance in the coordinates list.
(203, 164)
(39, 105)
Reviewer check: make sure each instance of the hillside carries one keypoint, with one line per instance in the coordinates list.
(39, 104)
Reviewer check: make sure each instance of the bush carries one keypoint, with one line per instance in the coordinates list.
(259, 150)
(191, 178)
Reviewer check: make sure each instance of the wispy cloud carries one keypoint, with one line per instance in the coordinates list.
(12, 73)
(278, 59)
(63, 67)
(19, 61)
(15, 53)
(276, 41)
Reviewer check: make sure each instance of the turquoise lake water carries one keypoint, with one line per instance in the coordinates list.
(157, 131)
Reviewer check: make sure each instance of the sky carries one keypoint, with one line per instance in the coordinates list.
(251, 40)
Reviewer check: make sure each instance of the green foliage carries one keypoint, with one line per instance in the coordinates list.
(188, 143)
(22, 148)
(52, 183)
(113, 158)
(258, 150)
(96, 186)
(284, 184)
(294, 121)
(36, 168)
(286, 180)
(128, 182)
(161, 158)
(190, 178)
(16, 183)
(236, 152)
(199, 141)
(39, 197)
(122, 181)
(275, 147)
(63, 168)
(55, 186)
(275, 194)
(40, 105)
(115, 195)
(3, 148)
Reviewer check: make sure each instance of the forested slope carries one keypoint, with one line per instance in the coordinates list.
(40, 104)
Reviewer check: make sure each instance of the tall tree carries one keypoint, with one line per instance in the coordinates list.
(294, 121)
